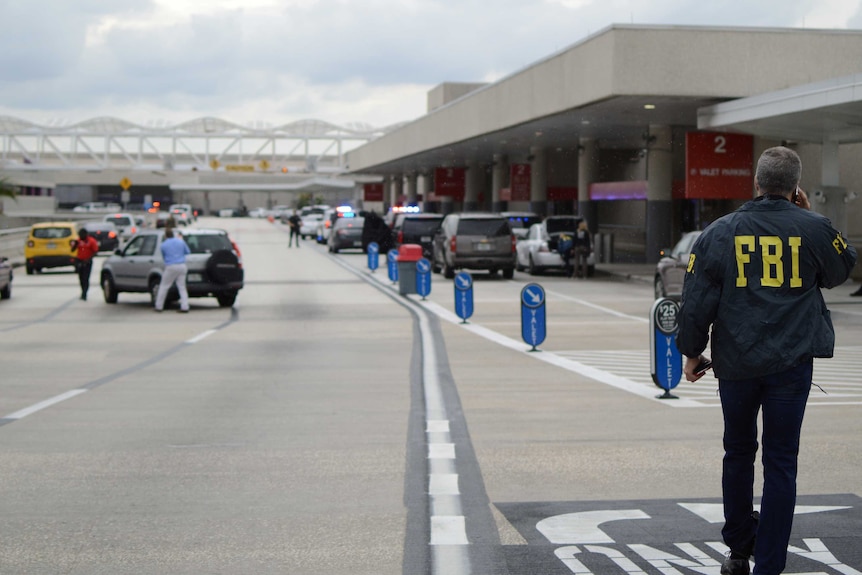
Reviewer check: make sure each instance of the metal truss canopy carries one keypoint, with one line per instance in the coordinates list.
(111, 143)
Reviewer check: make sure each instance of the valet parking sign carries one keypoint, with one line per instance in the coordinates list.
(665, 358)
(719, 166)
(533, 324)
(373, 255)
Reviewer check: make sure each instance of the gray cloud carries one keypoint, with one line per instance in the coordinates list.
(298, 59)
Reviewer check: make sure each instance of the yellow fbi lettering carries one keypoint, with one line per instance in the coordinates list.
(771, 252)
(839, 244)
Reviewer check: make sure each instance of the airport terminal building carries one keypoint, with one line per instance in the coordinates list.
(647, 131)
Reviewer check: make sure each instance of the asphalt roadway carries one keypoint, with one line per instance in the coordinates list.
(328, 424)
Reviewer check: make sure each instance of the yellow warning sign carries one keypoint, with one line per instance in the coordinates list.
(264, 165)
(214, 164)
(125, 183)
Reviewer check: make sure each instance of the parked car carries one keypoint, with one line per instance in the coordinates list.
(182, 215)
(105, 233)
(125, 224)
(50, 245)
(259, 213)
(282, 212)
(482, 241)
(670, 269)
(521, 222)
(308, 227)
(539, 251)
(346, 234)
(5, 278)
(187, 209)
(419, 229)
(214, 267)
(90, 207)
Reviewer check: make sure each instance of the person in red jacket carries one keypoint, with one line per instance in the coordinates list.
(86, 248)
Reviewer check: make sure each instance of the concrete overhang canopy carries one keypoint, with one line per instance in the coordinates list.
(826, 111)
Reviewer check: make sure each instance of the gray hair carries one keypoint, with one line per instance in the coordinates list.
(779, 170)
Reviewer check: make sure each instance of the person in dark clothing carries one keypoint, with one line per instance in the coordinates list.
(295, 223)
(85, 249)
(752, 286)
(583, 246)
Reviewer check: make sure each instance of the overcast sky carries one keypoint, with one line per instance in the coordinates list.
(343, 61)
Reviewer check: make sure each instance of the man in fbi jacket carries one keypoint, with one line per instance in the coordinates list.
(754, 277)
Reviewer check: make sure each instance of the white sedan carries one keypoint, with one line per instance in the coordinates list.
(537, 252)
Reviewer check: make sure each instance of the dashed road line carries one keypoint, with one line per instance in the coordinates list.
(37, 407)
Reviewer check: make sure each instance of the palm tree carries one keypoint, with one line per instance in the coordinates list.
(7, 190)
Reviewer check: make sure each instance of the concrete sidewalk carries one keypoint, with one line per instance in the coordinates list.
(633, 272)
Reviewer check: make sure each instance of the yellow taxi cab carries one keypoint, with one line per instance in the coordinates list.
(50, 245)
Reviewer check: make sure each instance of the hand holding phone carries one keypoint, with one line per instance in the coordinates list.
(703, 366)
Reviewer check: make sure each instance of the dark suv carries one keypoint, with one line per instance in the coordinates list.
(214, 267)
(419, 229)
(479, 241)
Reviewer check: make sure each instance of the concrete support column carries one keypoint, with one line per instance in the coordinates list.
(498, 182)
(831, 201)
(422, 189)
(829, 170)
(472, 186)
(659, 173)
(538, 181)
(395, 187)
(410, 189)
(588, 173)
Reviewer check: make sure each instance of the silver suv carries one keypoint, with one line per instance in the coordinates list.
(482, 241)
(214, 267)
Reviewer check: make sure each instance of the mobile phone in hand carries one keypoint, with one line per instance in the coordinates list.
(703, 366)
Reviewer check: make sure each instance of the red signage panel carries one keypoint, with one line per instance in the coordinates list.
(719, 166)
(519, 182)
(450, 182)
(372, 192)
(558, 193)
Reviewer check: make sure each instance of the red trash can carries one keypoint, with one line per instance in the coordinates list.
(408, 255)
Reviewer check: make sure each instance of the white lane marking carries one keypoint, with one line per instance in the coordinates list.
(598, 307)
(441, 451)
(554, 359)
(448, 530)
(202, 336)
(43, 404)
(448, 539)
(22, 413)
(435, 426)
(443, 484)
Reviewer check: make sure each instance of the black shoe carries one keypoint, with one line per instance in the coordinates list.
(857, 292)
(735, 566)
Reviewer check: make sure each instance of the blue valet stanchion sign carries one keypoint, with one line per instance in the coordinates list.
(463, 296)
(665, 358)
(392, 261)
(423, 277)
(533, 323)
(373, 256)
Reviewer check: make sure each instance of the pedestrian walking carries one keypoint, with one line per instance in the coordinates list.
(753, 286)
(295, 222)
(174, 252)
(85, 249)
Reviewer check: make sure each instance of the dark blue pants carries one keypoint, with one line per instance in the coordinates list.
(782, 397)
